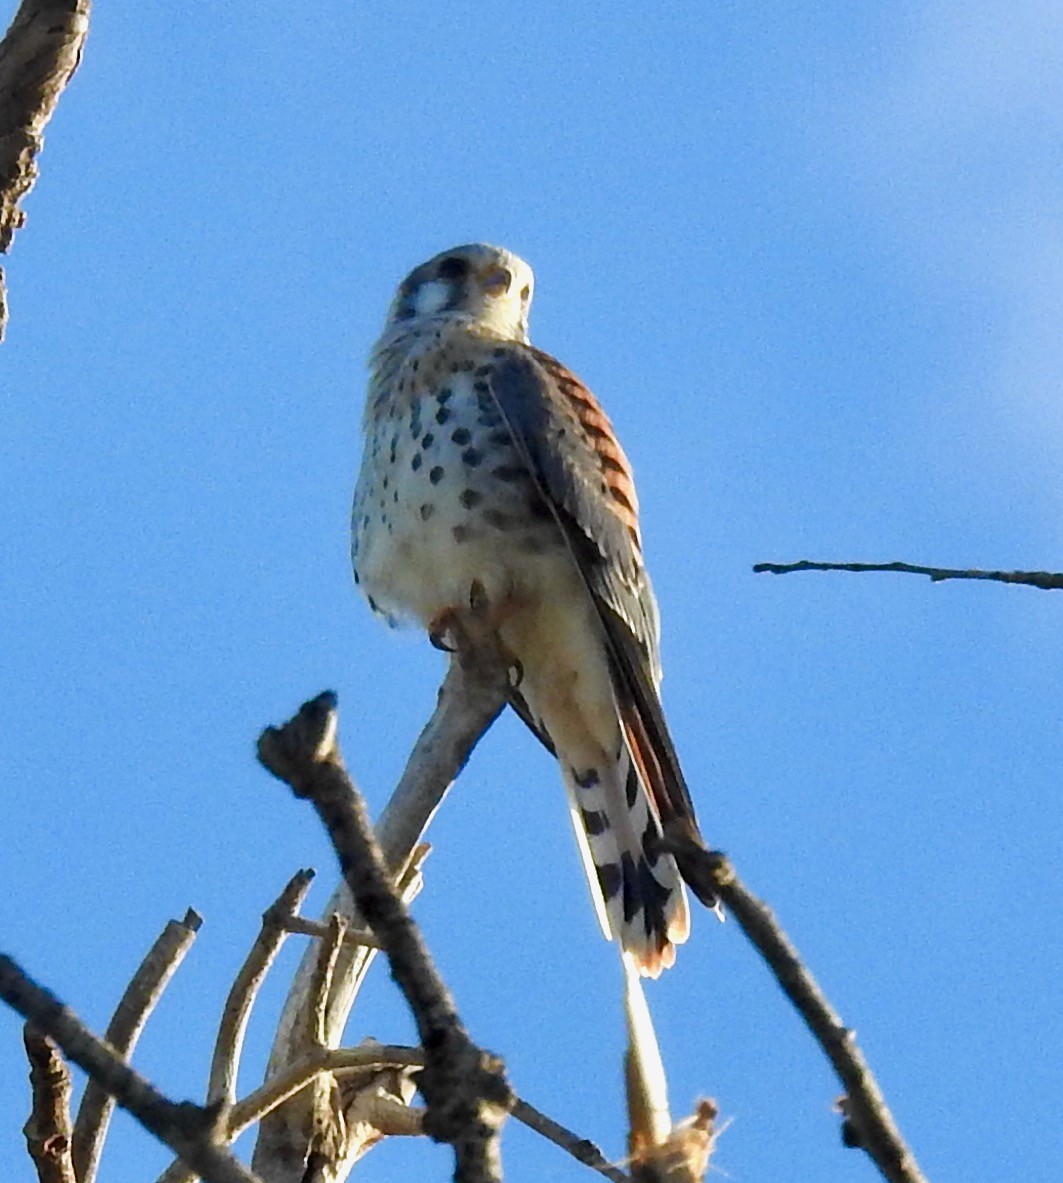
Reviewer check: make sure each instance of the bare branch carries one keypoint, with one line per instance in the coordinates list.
(465, 1089)
(377, 1104)
(390, 1118)
(470, 699)
(1046, 580)
(581, 1149)
(38, 57)
(186, 1128)
(362, 1063)
(48, 1131)
(370, 1056)
(328, 950)
(139, 1000)
(225, 1062)
(869, 1123)
(328, 1137)
(277, 918)
(355, 937)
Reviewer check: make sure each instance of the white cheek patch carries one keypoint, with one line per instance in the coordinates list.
(432, 297)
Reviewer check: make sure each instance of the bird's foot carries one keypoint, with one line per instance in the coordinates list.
(441, 630)
(457, 628)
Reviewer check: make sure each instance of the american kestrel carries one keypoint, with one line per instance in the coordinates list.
(491, 472)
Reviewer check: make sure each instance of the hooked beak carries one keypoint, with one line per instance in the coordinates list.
(496, 281)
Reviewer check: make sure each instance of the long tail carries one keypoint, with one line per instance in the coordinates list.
(637, 893)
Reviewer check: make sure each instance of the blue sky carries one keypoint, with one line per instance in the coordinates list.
(811, 259)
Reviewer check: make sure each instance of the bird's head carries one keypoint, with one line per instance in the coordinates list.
(485, 284)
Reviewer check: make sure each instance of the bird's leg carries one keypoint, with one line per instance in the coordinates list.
(489, 617)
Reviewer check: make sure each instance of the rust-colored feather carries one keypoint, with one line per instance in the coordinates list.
(617, 477)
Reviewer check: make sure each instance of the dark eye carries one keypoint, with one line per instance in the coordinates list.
(525, 292)
(453, 268)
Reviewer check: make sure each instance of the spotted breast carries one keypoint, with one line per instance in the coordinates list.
(445, 499)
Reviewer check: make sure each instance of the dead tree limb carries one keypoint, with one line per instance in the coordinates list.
(316, 1073)
(369, 1056)
(186, 1128)
(221, 1086)
(361, 1064)
(49, 1131)
(139, 1000)
(464, 1088)
(38, 57)
(471, 697)
(868, 1122)
(1045, 580)
(355, 937)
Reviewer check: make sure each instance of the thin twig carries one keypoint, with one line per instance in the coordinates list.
(328, 950)
(355, 937)
(465, 1090)
(49, 1130)
(186, 1128)
(225, 1061)
(338, 1061)
(473, 693)
(124, 1030)
(1046, 580)
(224, 1067)
(38, 57)
(328, 1138)
(869, 1122)
(581, 1149)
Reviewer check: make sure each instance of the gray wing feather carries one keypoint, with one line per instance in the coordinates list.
(559, 452)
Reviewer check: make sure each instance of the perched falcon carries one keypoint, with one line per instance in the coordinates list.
(488, 465)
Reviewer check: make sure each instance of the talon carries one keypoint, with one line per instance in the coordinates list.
(516, 673)
(439, 629)
(438, 640)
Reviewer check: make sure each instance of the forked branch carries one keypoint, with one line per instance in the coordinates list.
(465, 1089)
(186, 1128)
(472, 695)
